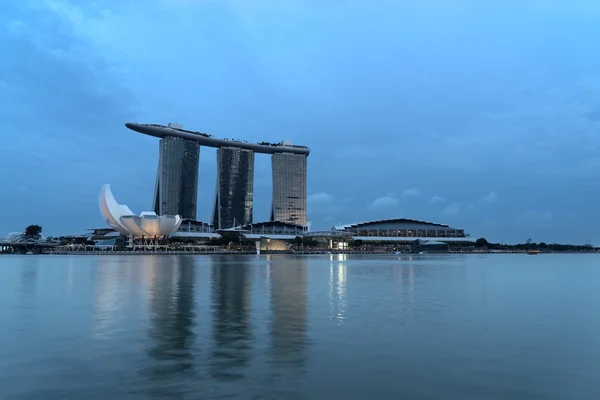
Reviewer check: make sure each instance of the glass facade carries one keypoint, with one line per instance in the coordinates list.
(289, 188)
(235, 188)
(177, 178)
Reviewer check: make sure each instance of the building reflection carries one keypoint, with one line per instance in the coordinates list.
(172, 305)
(289, 311)
(232, 331)
(337, 288)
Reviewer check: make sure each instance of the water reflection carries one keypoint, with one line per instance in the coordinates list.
(29, 276)
(337, 288)
(491, 326)
(289, 314)
(172, 305)
(71, 267)
(232, 331)
(109, 296)
(409, 298)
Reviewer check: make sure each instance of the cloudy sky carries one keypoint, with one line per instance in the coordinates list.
(481, 114)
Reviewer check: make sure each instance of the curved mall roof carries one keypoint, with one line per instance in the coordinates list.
(123, 220)
(204, 139)
(369, 224)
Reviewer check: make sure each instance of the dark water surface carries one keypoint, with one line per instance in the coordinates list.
(326, 327)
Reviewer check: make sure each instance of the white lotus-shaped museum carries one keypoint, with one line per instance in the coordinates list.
(123, 220)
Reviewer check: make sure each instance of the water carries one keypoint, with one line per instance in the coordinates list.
(283, 327)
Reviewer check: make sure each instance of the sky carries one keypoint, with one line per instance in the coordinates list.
(484, 115)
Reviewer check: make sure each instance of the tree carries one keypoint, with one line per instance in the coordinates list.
(310, 242)
(33, 232)
(481, 242)
(298, 241)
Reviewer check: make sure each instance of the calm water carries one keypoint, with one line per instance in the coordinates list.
(327, 327)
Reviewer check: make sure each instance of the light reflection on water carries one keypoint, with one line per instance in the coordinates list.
(337, 288)
(278, 327)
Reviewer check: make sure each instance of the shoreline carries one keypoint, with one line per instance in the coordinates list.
(249, 252)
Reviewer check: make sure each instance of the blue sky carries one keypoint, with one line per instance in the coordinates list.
(481, 114)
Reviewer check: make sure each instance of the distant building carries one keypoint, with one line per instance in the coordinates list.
(235, 188)
(177, 178)
(176, 188)
(148, 225)
(403, 230)
(429, 246)
(196, 231)
(267, 245)
(289, 188)
(100, 234)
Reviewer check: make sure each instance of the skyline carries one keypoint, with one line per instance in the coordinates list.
(428, 110)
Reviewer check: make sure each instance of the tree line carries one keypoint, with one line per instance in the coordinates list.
(482, 243)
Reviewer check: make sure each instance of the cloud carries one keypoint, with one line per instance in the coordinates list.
(72, 81)
(386, 201)
(436, 200)
(411, 192)
(534, 218)
(320, 198)
(491, 197)
(323, 208)
(453, 209)
(69, 105)
(541, 114)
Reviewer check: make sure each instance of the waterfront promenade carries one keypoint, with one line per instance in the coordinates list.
(293, 252)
